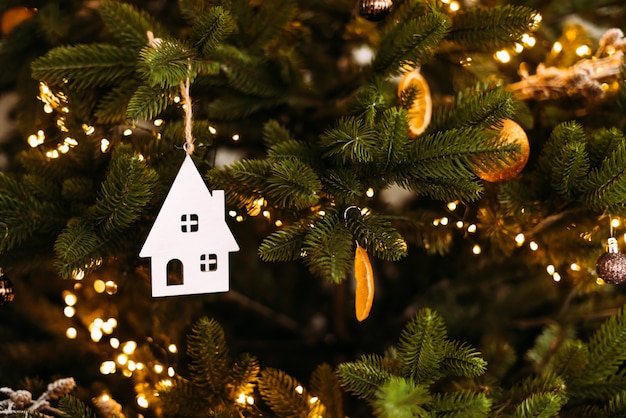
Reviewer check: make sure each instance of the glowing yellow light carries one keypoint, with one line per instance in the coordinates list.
(112, 322)
(129, 347)
(36, 140)
(65, 109)
(369, 192)
(158, 368)
(313, 399)
(299, 389)
(105, 397)
(321, 212)
(519, 239)
(63, 148)
(132, 366)
(69, 298)
(550, 269)
(472, 228)
(142, 401)
(107, 328)
(171, 372)
(47, 108)
(115, 343)
(444, 221)
(166, 382)
(241, 398)
(158, 122)
(97, 323)
(533, 245)
(139, 366)
(459, 224)
(615, 223)
(239, 218)
(177, 99)
(172, 348)
(99, 286)
(96, 335)
(104, 145)
(454, 6)
(52, 154)
(476, 249)
(278, 223)
(78, 274)
(575, 267)
(528, 40)
(71, 333)
(110, 287)
(600, 282)
(583, 50)
(436, 222)
(107, 367)
(518, 47)
(236, 137)
(127, 132)
(503, 56)
(127, 373)
(557, 47)
(250, 400)
(122, 359)
(556, 277)
(212, 130)
(69, 311)
(232, 213)
(452, 205)
(266, 213)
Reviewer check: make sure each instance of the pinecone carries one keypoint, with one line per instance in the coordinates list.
(21, 398)
(60, 387)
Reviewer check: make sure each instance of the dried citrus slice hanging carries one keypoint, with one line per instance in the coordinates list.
(421, 110)
(364, 276)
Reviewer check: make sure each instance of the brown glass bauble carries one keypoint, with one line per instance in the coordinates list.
(511, 133)
(375, 10)
(611, 266)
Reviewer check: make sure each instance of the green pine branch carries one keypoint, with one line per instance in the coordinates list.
(410, 42)
(85, 66)
(210, 29)
(488, 29)
(128, 24)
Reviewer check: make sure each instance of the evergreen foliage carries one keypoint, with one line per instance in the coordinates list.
(325, 130)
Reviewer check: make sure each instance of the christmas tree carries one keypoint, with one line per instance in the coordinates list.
(396, 209)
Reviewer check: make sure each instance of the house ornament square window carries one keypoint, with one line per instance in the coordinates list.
(208, 262)
(189, 223)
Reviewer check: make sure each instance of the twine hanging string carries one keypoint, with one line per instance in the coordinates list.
(184, 91)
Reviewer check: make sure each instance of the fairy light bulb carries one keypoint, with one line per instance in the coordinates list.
(503, 56)
(99, 286)
(142, 401)
(533, 246)
(172, 348)
(299, 389)
(171, 372)
(114, 342)
(107, 367)
(556, 277)
(69, 298)
(519, 239)
(451, 206)
(583, 50)
(129, 347)
(557, 47)
(369, 192)
(69, 311)
(71, 333)
(127, 132)
(158, 368)
(472, 228)
(476, 249)
(236, 137)
(550, 269)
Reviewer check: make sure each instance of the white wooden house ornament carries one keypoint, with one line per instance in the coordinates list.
(190, 233)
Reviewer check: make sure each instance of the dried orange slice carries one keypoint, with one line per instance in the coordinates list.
(364, 276)
(421, 110)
